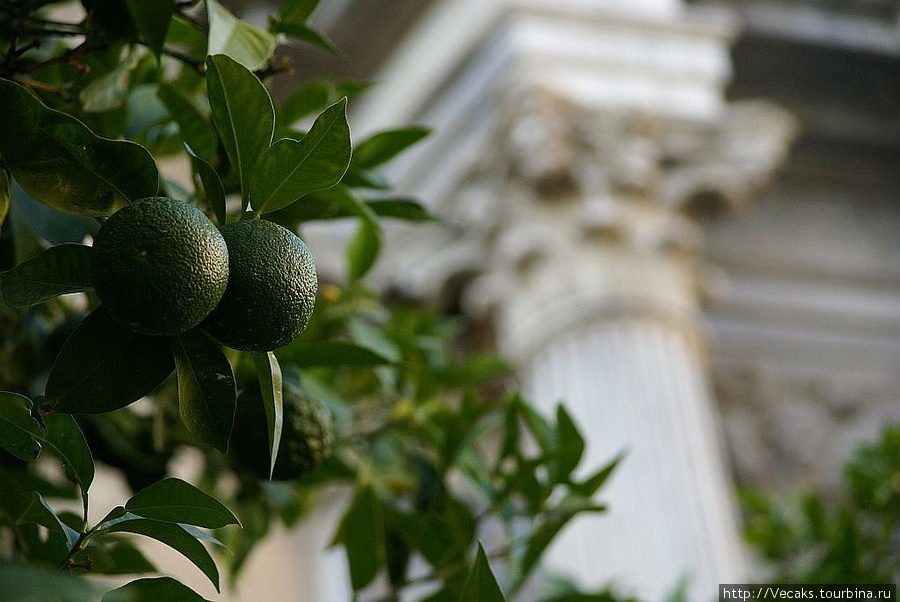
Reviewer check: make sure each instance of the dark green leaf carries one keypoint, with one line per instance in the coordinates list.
(206, 388)
(196, 129)
(109, 91)
(305, 33)
(569, 446)
(33, 584)
(175, 536)
(58, 270)
(481, 585)
(268, 372)
(175, 501)
(363, 178)
(327, 353)
(210, 185)
(363, 249)
(315, 95)
(118, 558)
(17, 427)
(104, 367)
(228, 35)
(58, 161)
(39, 513)
(593, 483)
(155, 589)
(67, 440)
(151, 19)
(475, 369)
(4, 195)
(288, 170)
(384, 146)
(242, 112)
(405, 209)
(362, 533)
(297, 11)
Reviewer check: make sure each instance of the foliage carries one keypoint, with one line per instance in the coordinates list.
(854, 539)
(430, 452)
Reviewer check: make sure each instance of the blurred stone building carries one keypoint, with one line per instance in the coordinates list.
(683, 219)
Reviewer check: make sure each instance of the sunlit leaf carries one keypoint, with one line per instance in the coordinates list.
(56, 271)
(242, 112)
(245, 43)
(58, 161)
(176, 501)
(103, 367)
(288, 169)
(206, 388)
(268, 371)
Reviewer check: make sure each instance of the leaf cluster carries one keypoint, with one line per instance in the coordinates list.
(433, 458)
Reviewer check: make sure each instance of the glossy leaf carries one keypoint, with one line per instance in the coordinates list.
(381, 147)
(245, 43)
(176, 537)
(288, 169)
(151, 19)
(330, 353)
(4, 195)
(104, 367)
(268, 371)
(56, 271)
(17, 427)
(363, 249)
(481, 585)
(60, 162)
(39, 513)
(211, 186)
(242, 112)
(196, 128)
(154, 589)
(362, 533)
(206, 388)
(176, 501)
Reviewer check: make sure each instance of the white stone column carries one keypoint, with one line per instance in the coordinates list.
(575, 142)
(636, 383)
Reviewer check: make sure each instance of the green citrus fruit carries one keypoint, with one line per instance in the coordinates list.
(306, 436)
(159, 266)
(271, 287)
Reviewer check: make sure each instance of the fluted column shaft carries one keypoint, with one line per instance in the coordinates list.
(637, 384)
